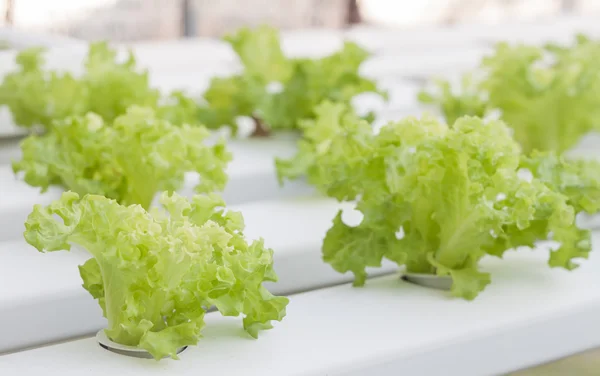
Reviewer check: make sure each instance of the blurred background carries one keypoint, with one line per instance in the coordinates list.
(137, 20)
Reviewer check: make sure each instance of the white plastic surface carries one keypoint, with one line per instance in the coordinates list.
(311, 43)
(588, 147)
(529, 314)
(552, 29)
(42, 298)
(385, 41)
(20, 39)
(424, 63)
(7, 126)
(133, 351)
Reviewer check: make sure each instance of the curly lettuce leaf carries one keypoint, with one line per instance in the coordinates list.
(551, 107)
(333, 78)
(465, 99)
(226, 99)
(107, 87)
(550, 96)
(280, 92)
(352, 249)
(260, 51)
(129, 160)
(178, 108)
(324, 136)
(437, 199)
(578, 179)
(264, 62)
(113, 86)
(36, 97)
(156, 273)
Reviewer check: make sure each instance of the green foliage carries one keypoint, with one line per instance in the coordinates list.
(107, 87)
(549, 95)
(278, 91)
(578, 179)
(454, 193)
(129, 160)
(156, 273)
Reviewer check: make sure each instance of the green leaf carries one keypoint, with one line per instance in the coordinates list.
(179, 109)
(129, 161)
(226, 99)
(155, 273)
(36, 97)
(280, 92)
(335, 144)
(550, 96)
(112, 86)
(108, 87)
(333, 78)
(353, 249)
(167, 341)
(260, 51)
(578, 179)
(466, 99)
(467, 281)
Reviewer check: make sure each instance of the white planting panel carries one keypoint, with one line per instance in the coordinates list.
(529, 314)
(554, 29)
(20, 39)
(430, 62)
(44, 301)
(386, 41)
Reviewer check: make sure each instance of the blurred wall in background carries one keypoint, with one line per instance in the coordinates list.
(217, 17)
(161, 19)
(128, 20)
(102, 19)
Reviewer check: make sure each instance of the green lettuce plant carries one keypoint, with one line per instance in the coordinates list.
(437, 199)
(37, 96)
(331, 120)
(550, 96)
(155, 274)
(129, 160)
(279, 92)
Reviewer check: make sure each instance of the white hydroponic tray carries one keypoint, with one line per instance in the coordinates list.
(44, 301)
(529, 314)
(550, 29)
(20, 39)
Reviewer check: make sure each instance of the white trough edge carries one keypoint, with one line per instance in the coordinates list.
(42, 301)
(20, 39)
(425, 63)
(530, 314)
(560, 29)
(381, 40)
(384, 39)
